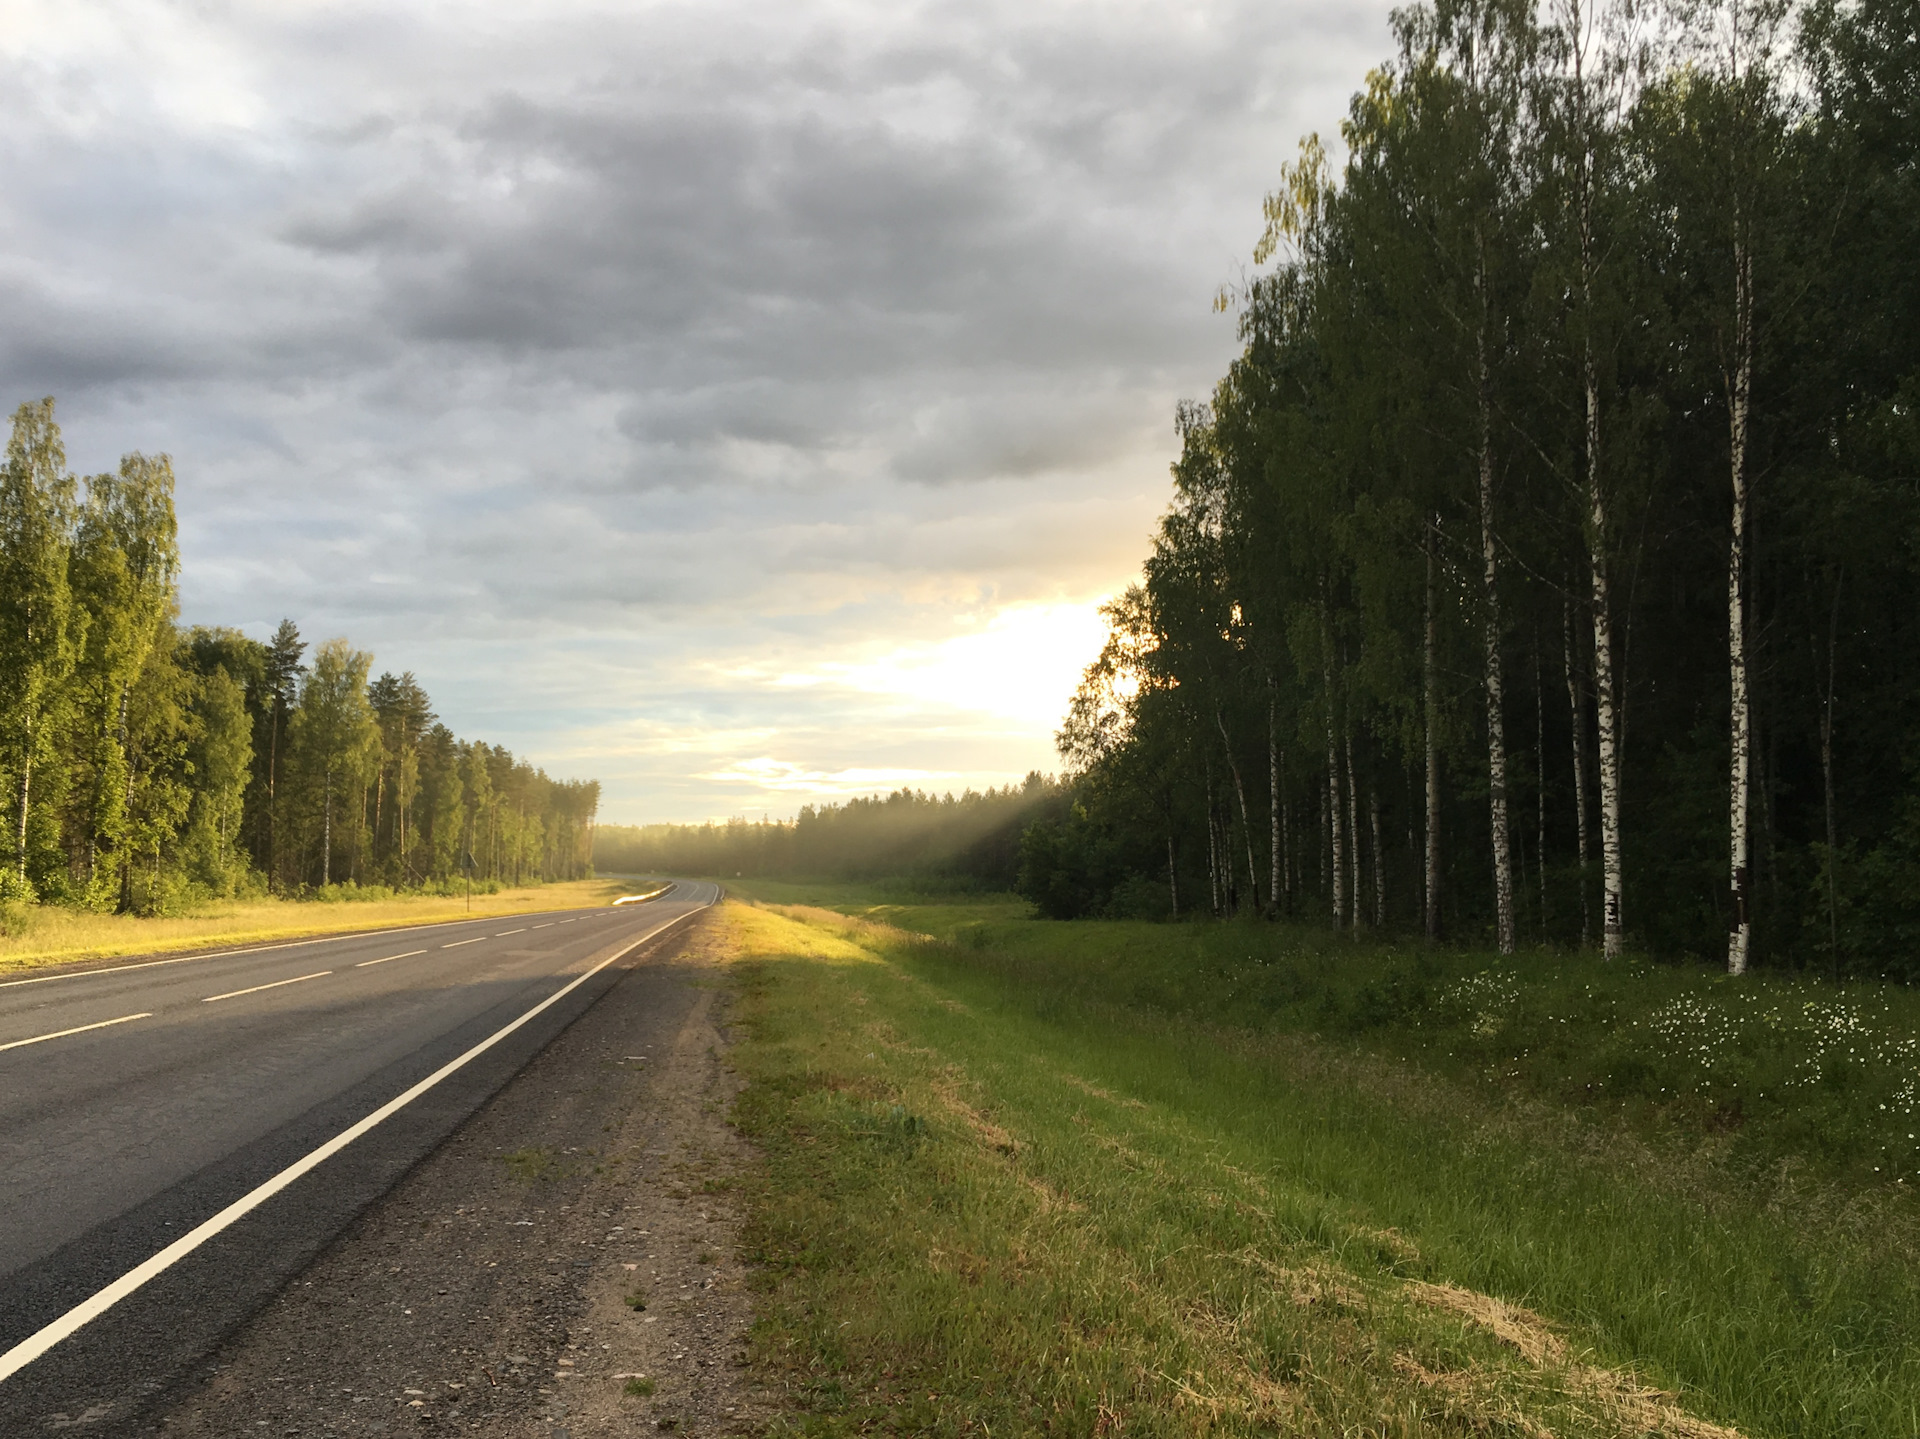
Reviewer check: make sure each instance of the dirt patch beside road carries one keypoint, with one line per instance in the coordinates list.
(564, 1267)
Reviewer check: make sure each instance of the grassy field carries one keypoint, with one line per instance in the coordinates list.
(1765, 1071)
(1100, 1179)
(48, 935)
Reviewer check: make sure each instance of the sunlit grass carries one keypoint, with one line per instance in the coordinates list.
(1773, 1068)
(1017, 1187)
(50, 935)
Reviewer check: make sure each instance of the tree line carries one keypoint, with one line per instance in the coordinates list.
(1545, 566)
(908, 833)
(144, 765)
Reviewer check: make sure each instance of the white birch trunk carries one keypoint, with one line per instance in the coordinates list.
(1740, 927)
(1495, 680)
(26, 790)
(1606, 711)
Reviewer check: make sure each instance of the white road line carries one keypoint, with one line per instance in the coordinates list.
(236, 993)
(78, 1029)
(458, 942)
(39, 1342)
(505, 932)
(548, 925)
(155, 963)
(408, 955)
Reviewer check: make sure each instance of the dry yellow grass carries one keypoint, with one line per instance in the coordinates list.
(1636, 1408)
(45, 936)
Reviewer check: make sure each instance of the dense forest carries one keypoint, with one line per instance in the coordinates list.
(1544, 568)
(144, 766)
(908, 833)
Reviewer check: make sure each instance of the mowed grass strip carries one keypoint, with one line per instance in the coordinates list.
(1712, 1178)
(976, 1219)
(1769, 1069)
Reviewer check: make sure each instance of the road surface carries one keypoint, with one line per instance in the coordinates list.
(171, 1131)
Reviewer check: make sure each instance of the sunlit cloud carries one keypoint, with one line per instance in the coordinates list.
(1022, 665)
(741, 403)
(784, 777)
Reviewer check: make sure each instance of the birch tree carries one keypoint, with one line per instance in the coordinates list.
(222, 755)
(333, 734)
(1467, 66)
(1723, 118)
(1599, 59)
(41, 632)
(126, 558)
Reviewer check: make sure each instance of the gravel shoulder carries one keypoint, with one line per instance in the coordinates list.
(565, 1265)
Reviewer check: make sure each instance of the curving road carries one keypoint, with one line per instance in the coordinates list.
(178, 1137)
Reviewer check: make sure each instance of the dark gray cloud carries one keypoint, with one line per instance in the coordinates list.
(604, 364)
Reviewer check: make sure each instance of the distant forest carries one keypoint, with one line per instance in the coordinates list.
(1546, 568)
(144, 766)
(975, 836)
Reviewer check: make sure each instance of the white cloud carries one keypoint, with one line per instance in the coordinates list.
(604, 365)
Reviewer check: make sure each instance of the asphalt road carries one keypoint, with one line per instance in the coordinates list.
(138, 1102)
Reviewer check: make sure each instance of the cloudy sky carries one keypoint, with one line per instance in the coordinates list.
(740, 403)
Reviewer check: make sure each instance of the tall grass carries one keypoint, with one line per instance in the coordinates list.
(1459, 1124)
(1769, 1070)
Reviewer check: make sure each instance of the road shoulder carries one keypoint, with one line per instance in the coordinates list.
(498, 1289)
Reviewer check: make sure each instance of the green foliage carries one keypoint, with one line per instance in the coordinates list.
(331, 744)
(1491, 362)
(41, 632)
(1067, 868)
(221, 755)
(146, 770)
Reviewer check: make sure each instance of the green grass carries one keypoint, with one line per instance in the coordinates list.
(535, 1164)
(1179, 1178)
(1764, 1071)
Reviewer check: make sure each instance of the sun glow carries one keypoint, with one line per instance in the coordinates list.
(1022, 666)
(783, 777)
